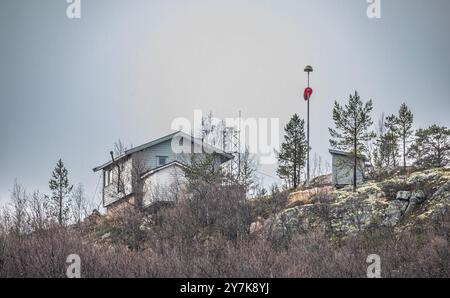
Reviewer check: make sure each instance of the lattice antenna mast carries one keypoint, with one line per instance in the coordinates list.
(232, 144)
(238, 147)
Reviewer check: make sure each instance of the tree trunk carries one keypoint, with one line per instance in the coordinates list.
(393, 159)
(355, 160)
(295, 164)
(295, 176)
(404, 152)
(60, 211)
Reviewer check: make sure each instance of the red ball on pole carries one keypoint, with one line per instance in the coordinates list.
(307, 94)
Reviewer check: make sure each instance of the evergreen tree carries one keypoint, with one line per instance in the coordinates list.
(203, 168)
(391, 139)
(387, 150)
(352, 123)
(247, 175)
(401, 125)
(292, 155)
(61, 189)
(431, 147)
(405, 121)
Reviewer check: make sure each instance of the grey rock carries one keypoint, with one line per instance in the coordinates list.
(373, 206)
(418, 197)
(411, 206)
(395, 211)
(403, 195)
(442, 194)
(440, 198)
(297, 219)
(425, 177)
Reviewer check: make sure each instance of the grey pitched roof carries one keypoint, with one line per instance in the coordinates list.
(152, 143)
(344, 153)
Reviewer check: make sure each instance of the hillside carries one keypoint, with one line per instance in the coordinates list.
(219, 233)
(402, 202)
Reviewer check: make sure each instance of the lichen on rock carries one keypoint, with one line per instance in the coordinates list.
(396, 202)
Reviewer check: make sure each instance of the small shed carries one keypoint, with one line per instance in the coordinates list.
(342, 168)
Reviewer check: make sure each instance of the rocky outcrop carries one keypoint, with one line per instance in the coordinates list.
(437, 204)
(396, 202)
(308, 196)
(403, 195)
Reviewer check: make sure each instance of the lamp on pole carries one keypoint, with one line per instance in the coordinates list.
(307, 95)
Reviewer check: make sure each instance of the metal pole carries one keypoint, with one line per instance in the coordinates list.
(307, 129)
(308, 69)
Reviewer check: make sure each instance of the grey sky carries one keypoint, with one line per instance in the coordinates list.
(126, 69)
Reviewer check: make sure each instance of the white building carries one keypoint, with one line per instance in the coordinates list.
(144, 175)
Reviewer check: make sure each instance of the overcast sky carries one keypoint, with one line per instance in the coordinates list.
(126, 69)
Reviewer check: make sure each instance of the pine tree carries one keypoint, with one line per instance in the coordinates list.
(61, 189)
(202, 169)
(292, 155)
(431, 147)
(352, 123)
(247, 175)
(392, 138)
(401, 125)
(405, 121)
(386, 152)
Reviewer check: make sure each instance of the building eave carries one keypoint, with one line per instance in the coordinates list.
(209, 148)
(347, 154)
(109, 163)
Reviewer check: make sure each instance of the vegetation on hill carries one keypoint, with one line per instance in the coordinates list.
(215, 230)
(215, 234)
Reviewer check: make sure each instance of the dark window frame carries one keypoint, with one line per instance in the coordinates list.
(159, 158)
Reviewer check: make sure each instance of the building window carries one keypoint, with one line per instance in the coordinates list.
(162, 160)
(107, 177)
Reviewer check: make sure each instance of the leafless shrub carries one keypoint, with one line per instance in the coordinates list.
(206, 236)
(19, 204)
(307, 255)
(266, 205)
(39, 217)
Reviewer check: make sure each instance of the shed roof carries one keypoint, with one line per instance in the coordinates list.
(348, 154)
